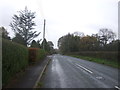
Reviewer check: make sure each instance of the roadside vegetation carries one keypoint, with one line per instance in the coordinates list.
(36, 54)
(22, 50)
(102, 47)
(98, 60)
(14, 59)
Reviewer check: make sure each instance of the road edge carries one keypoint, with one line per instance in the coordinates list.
(41, 74)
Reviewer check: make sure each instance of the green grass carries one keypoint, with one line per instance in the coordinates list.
(40, 84)
(98, 60)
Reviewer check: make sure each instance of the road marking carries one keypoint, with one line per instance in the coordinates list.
(99, 77)
(117, 87)
(84, 68)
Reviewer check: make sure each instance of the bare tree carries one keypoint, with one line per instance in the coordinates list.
(106, 35)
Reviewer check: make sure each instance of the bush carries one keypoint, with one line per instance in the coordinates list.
(14, 59)
(33, 54)
(41, 54)
(36, 54)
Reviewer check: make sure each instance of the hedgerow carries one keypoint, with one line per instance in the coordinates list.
(108, 55)
(36, 54)
(14, 59)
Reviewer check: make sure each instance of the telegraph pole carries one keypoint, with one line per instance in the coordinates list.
(44, 34)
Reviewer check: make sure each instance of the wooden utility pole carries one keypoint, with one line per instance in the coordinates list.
(44, 34)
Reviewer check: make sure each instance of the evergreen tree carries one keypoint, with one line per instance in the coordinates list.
(35, 44)
(23, 25)
(18, 39)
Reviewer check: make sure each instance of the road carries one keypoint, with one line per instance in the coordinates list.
(68, 72)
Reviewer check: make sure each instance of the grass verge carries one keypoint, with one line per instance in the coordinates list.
(98, 60)
(40, 84)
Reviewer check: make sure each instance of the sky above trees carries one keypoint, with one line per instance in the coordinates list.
(64, 16)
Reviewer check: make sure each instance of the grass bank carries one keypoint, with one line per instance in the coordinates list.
(98, 60)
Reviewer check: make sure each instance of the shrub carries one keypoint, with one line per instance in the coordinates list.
(14, 59)
(33, 54)
(41, 54)
(36, 54)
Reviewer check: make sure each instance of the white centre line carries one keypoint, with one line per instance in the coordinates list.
(84, 68)
(117, 87)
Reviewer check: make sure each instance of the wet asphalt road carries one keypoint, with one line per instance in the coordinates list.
(69, 72)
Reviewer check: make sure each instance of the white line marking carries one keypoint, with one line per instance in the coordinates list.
(117, 87)
(99, 77)
(84, 68)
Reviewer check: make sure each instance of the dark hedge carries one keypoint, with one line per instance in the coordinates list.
(14, 59)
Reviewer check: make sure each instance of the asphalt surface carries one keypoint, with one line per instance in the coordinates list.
(69, 72)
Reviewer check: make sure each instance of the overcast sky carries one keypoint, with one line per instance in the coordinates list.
(64, 16)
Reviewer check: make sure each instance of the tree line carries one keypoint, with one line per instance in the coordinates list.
(23, 27)
(104, 40)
